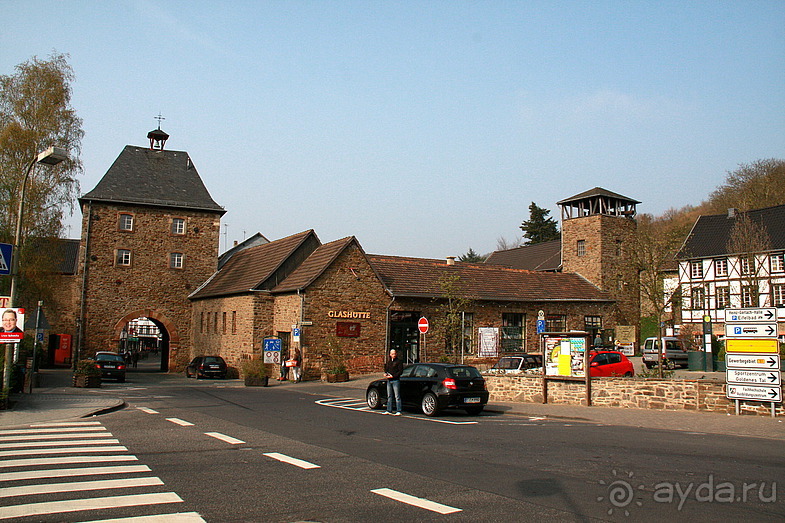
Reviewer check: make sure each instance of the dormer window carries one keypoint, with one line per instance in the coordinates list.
(125, 222)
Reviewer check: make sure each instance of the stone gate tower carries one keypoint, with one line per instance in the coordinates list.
(597, 228)
(150, 234)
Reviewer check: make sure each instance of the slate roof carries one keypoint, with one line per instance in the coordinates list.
(143, 176)
(419, 278)
(545, 256)
(256, 239)
(709, 235)
(597, 191)
(251, 269)
(315, 265)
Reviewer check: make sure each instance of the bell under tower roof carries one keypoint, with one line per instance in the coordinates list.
(597, 201)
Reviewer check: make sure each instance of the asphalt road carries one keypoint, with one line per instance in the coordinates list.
(303, 454)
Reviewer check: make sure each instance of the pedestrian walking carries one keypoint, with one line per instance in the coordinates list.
(136, 358)
(392, 371)
(297, 362)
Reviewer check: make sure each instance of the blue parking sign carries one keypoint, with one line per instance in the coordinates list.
(6, 251)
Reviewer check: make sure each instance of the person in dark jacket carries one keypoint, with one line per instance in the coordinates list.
(392, 371)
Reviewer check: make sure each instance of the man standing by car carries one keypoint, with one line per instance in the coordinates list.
(392, 371)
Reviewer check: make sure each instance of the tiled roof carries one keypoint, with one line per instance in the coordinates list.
(417, 277)
(597, 191)
(160, 178)
(710, 234)
(256, 239)
(252, 268)
(314, 266)
(545, 256)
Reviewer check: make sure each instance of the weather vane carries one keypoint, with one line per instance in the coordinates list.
(159, 118)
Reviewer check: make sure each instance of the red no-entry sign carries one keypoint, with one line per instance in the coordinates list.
(423, 325)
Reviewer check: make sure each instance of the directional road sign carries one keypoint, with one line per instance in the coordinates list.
(754, 377)
(750, 315)
(750, 330)
(755, 393)
(753, 361)
(753, 345)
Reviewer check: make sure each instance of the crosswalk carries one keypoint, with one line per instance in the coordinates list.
(77, 471)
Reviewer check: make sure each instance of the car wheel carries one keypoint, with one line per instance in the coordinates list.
(430, 405)
(373, 399)
(628, 374)
(649, 365)
(196, 375)
(474, 411)
(670, 365)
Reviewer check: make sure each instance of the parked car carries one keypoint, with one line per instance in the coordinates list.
(112, 365)
(609, 363)
(515, 364)
(433, 387)
(206, 367)
(672, 349)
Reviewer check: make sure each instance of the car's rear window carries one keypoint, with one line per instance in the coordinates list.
(109, 357)
(464, 372)
(213, 359)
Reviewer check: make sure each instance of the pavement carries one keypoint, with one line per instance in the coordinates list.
(56, 400)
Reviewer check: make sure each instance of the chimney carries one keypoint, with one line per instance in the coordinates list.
(731, 213)
(450, 260)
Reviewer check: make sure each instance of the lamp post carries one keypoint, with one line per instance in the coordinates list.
(51, 156)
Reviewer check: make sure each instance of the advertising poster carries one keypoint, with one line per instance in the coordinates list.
(489, 342)
(565, 356)
(12, 326)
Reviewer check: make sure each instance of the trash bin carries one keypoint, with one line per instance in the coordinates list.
(695, 360)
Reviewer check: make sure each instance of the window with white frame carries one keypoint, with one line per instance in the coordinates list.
(749, 296)
(747, 264)
(723, 297)
(580, 248)
(696, 270)
(721, 267)
(125, 222)
(778, 262)
(178, 226)
(778, 295)
(697, 298)
(176, 260)
(123, 257)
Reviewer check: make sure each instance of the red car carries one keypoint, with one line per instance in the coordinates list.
(610, 363)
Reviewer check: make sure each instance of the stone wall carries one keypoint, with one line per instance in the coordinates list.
(695, 395)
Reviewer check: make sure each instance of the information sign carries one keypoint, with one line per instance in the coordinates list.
(272, 350)
(750, 315)
(753, 361)
(754, 377)
(755, 393)
(750, 330)
(752, 345)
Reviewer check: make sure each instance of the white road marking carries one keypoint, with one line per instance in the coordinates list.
(23, 444)
(59, 430)
(415, 501)
(147, 410)
(63, 450)
(66, 424)
(224, 437)
(180, 422)
(346, 403)
(37, 509)
(56, 436)
(67, 473)
(179, 517)
(64, 460)
(78, 486)
(292, 461)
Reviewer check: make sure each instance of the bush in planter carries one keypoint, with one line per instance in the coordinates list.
(336, 366)
(87, 374)
(254, 372)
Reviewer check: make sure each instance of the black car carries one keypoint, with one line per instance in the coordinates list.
(112, 365)
(206, 367)
(433, 387)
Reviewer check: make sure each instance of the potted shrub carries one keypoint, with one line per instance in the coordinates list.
(255, 373)
(87, 374)
(336, 367)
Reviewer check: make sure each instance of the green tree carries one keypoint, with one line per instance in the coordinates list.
(36, 113)
(472, 257)
(539, 227)
(453, 302)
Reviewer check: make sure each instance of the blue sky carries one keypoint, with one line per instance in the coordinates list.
(421, 128)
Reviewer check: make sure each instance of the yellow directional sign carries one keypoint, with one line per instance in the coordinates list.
(752, 345)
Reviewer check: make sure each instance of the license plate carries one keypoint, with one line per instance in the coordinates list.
(109, 366)
(471, 400)
(214, 367)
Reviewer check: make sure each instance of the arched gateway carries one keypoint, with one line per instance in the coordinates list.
(149, 332)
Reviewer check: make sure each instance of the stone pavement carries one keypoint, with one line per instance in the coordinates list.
(57, 400)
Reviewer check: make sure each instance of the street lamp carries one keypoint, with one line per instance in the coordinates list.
(51, 156)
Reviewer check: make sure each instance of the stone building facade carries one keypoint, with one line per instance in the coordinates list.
(150, 234)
